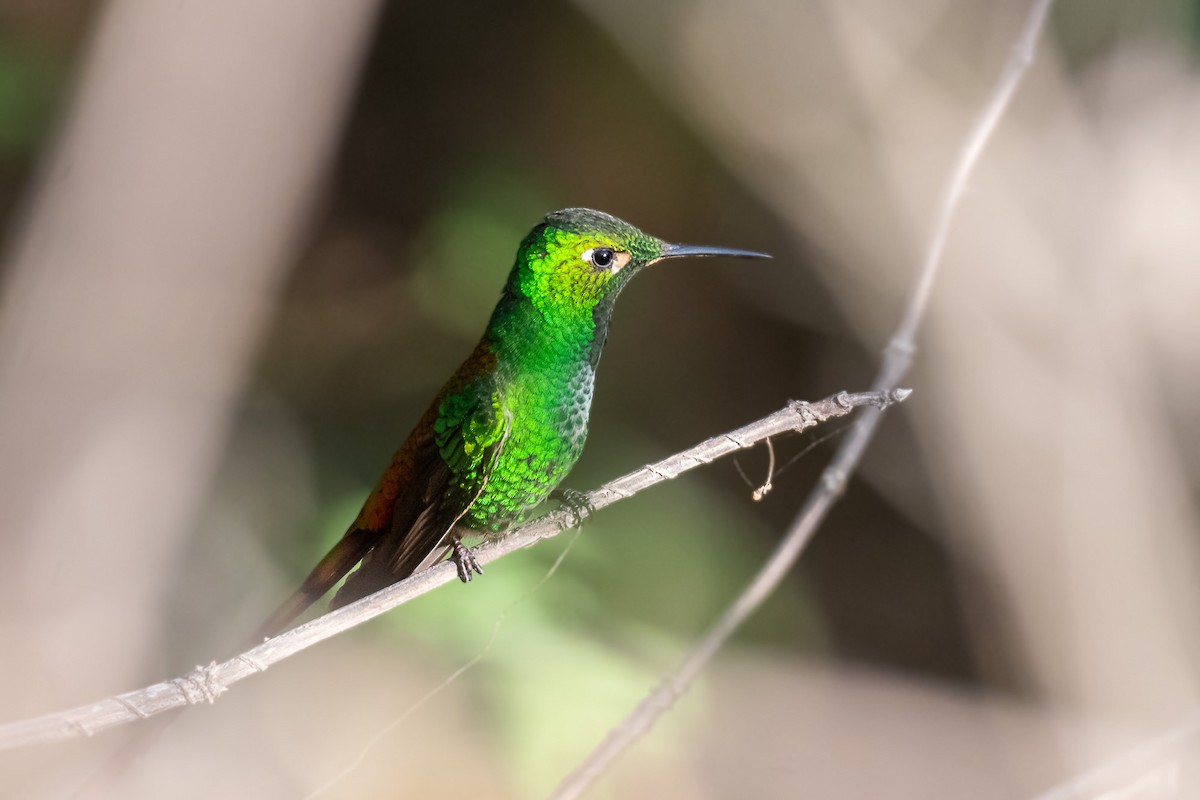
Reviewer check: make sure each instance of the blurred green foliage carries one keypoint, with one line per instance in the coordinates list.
(31, 84)
(458, 250)
(1086, 29)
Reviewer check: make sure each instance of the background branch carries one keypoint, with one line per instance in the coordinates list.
(205, 683)
(1136, 770)
(897, 359)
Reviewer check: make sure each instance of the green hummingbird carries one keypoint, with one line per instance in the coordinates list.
(509, 424)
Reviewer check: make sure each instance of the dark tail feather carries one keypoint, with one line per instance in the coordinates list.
(372, 576)
(375, 573)
(331, 569)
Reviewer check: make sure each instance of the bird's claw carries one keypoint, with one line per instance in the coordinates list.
(465, 561)
(576, 503)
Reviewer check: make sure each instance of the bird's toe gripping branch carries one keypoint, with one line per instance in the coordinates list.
(576, 503)
(465, 561)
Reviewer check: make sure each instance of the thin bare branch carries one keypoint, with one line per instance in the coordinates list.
(897, 359)
(205, 683)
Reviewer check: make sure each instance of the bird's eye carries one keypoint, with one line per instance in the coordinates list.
(599, 257)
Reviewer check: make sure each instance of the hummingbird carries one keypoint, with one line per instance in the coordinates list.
(509, 424)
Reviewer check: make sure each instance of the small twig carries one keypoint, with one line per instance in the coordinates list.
(765, 489)
(205, 684)
(897, 359)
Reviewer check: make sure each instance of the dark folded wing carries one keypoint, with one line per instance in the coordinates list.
(451, 468)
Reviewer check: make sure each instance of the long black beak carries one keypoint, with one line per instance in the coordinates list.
(681, 250)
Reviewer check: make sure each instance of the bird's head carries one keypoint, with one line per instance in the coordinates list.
(578, 259)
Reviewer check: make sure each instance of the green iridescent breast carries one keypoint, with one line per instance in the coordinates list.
(546, 417)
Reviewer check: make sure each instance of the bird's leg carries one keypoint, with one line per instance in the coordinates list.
(464, 559)
(578, 504)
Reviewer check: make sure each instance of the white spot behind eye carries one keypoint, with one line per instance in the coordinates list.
(619, 258)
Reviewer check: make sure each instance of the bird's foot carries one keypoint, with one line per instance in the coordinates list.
(464, 559)
(576, 503)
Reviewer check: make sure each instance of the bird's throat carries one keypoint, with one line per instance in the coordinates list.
(551, 347)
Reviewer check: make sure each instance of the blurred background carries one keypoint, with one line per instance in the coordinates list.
(245, 243)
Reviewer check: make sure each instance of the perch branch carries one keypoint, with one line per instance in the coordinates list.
(896, 361)
(206, 683)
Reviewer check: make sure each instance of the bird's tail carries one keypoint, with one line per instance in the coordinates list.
(331, 569)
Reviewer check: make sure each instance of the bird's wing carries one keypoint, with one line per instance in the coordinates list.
(450, 470)
(469, 435)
